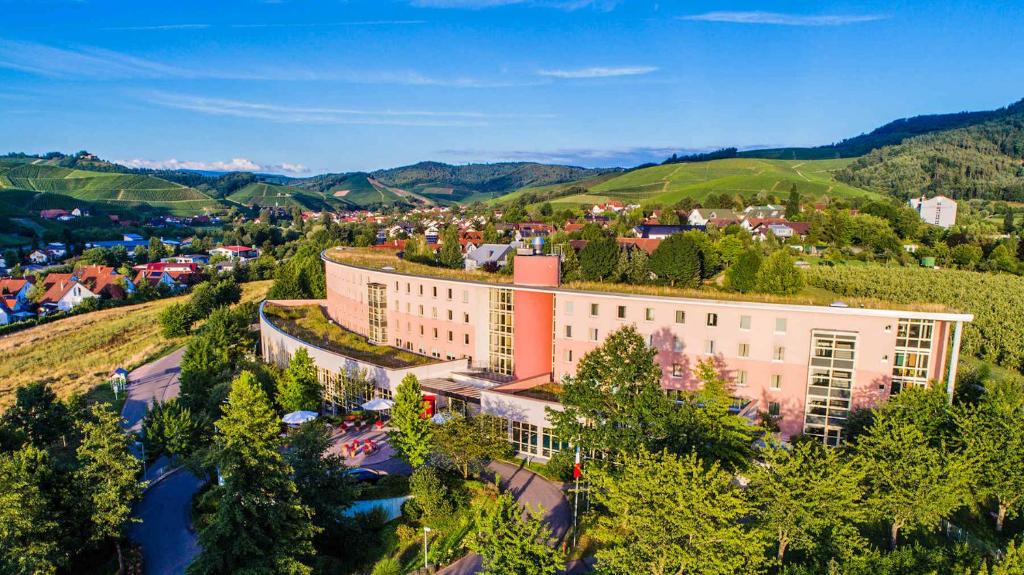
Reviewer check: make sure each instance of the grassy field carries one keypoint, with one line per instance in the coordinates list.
(744, 176)
(76, 354)
(265, 194)
(43, 182)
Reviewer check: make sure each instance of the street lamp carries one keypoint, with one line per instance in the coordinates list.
(426, 562)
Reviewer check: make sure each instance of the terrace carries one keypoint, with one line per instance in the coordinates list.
(373, 259)
(310, 324)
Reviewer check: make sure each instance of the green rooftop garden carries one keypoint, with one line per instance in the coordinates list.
(544, 391)
(310, 324)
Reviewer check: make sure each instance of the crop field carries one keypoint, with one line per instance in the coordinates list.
(78, 353)
(748, 177)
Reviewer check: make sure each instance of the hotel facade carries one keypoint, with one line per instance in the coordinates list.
(492, 347)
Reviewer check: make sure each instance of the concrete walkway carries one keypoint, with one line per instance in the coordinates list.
(165, 533)
(529, 489)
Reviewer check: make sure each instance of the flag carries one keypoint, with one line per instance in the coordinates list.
(576, 465)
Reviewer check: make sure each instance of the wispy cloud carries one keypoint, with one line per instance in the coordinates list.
(599, 72)
(157, 27)
(92, 63)
(234, 165)
(588, 157)
(327, 116)
(781, 19)
(332, 24)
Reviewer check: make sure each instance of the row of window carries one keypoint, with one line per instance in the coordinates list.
(434, 291)
(436, 332)
(421, 311)
(710, 319)
(710, 347)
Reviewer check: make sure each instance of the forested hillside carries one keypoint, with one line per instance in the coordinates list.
(980, 161)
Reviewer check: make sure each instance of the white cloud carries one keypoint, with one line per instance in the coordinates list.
(599, 72)
(780, 19)
(588, 157)
(158, 27)
(330, 116)
(234, 165)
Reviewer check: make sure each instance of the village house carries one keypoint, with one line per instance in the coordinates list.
(236, 253)
(65, 291)
(704, 216)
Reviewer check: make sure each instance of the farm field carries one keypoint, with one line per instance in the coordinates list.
(115, 189)
(748, 177)
(76, 354)
(266, 194)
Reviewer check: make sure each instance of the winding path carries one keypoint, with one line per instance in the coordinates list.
(529, 489)
(165, 533)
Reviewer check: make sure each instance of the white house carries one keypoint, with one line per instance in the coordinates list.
(701, 216)
(938, 211)
(238, 253)
(70, 294)
(39, 257)
(488, 253)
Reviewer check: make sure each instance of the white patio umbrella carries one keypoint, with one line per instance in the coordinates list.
(299, 417)
(441, 417)
(379, 404)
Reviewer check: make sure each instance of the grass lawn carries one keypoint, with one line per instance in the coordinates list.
(75, 355)
(309, 323)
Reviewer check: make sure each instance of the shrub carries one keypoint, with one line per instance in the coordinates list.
(387, 566)
(560, 465)
(430, 492)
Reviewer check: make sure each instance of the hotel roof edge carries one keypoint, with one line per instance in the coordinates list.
(792, 307)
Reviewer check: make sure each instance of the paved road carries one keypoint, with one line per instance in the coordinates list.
(168, 544)
(154, 381)
(528, 488)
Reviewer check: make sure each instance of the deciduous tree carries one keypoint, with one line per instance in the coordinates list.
(676, 260)
(299, 388)
(778, 274)
(411, 433)
(511, 544)
(598, 258)
(742, 275)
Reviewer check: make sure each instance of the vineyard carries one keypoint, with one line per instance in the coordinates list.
(996, 300)
(265, 194)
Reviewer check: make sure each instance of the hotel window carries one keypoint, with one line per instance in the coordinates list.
(677, 370)
(677, 344)
(466, 337)
(776, 381)
(524, 438)
(594, 309)
(709, 346)
(779, 353)
(568, 308)
(465, 296)
(408, 307)
(433, 312)
(621, 312)
(780, 325)
(829, 385)
(712, 319)
(741, 378)
(435, 333)
(465, 317)
(421, 289)
(568, 355)
(422, 332)
(377, 298)
(421, 309)
(649, 314)
(396, 286)
(550, 443)
(500, 325)
(449, 293)
(408, 287)
(435, 353)
(680, 316)
(912, 354)
(451, 335)
(451, 315)
(593, 334)
(744, 322)
(774, 409)
(435, 291)
(744, 350)
(568, 331)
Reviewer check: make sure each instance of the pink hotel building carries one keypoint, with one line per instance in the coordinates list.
(492, 344)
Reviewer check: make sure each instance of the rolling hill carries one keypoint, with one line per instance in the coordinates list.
(274, 195)
(668, 184)
(37, 181)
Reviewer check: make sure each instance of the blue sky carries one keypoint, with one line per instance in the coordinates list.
(302, 86)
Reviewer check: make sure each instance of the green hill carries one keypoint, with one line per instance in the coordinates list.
(450, 183)
(887, 135)
(118, 190)
(668, 184)
(266, 194)
(980, 161)
(353, 188)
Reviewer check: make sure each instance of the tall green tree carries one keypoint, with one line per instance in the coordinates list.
(676, 260)
(614, 403)
(639, 270)
(37, 416)
(1008, 226)
(808, 498)
(411, 432)
(793, 203)
(598, 258)
(451, 250)
(170, 428)
(261, 525)
(911, 484)
(669, 514)
(299, 387)
(511, 544)
(202, 368)
(779, 274)
(571, 271)
(319, 476)
(742, 275)
(992, 434)
(466, 443)
(107, 476)
(29, 538)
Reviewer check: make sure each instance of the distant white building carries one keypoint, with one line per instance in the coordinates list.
(938, 211)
